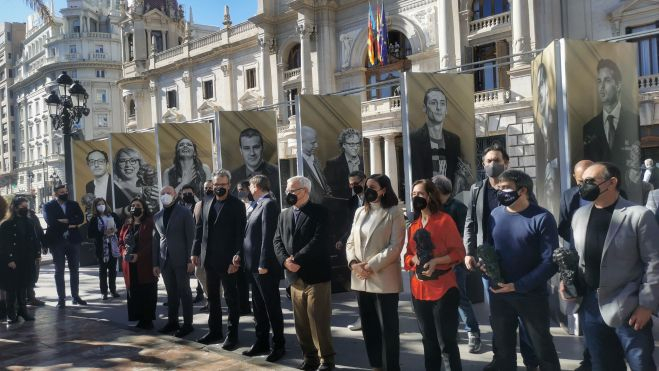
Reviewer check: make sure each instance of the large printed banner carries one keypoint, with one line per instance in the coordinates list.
(134, 169)
(248, 146)
(548, 174)
(186, 155)
(602, 98)
(441, 135)
(92, 176)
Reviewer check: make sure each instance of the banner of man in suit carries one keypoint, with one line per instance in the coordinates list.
(602, 97)
(92, 172)
(248, 147)
(547, 158)
(441, 128)
(186, 155)
(134, 169)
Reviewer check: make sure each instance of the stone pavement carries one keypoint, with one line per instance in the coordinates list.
(99, 336)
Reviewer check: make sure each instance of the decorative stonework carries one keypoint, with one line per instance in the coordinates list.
(186, 78)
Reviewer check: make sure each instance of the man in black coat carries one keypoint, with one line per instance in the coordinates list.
(571, 201)
(301, 247)
(101, 185)
(63, 217)
(262, 269)
(349, 160)
(251, 150)
(219, 237)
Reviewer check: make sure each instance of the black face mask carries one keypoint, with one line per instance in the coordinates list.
(590, 191)
(507, 198)
(419, 203)
(209, 192)
(370, 195)
(136, 212)
(220, 191)
(358, 189)
(291, 199)
(63, 197)
(22, 212)
(188, 199)
(250, 197)
(494, 169)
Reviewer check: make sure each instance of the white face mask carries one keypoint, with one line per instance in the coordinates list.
(100, 208)
(166, 199)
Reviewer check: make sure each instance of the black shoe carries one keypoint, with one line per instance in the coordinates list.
(230, 343)
(308, 365)
(164, 304)
(115, 295)
(11, 319)
(61, 303)
(583, 367)
(492, 366)
(26, 316)
(198, 298)
(35, 302)
(276, 354)
(204, 309)
(145, 325)
(326, 366)
(169, 327)
(210, 338)
(256, 350)
(184, 331)
(245, 312)
(78, 300)
(105, 296)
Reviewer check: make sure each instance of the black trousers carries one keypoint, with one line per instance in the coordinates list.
(533, 311)
(242, 283)
(107, 275)
(16, 302)
(379, 315)
(267, 308)
(177, 284)
(214, 279)
(438, 323)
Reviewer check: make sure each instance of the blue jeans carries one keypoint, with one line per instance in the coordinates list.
(610, 346)
(465, 309)
(70, 253)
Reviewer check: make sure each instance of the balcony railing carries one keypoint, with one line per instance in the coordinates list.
(73, 56)
(215, 37)
(291, 74)
(490, 97)
(648, 83)
(489, 23)
(380, 106)
(97, 56)
(172, 52)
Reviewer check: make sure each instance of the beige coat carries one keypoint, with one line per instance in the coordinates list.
(381, 250)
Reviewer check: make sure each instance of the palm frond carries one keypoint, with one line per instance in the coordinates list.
(42, 9)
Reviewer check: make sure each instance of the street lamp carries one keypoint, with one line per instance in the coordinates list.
(66, 109)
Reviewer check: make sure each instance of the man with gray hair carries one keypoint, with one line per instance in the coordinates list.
(339, 168)
(300, 244)
(312, 168)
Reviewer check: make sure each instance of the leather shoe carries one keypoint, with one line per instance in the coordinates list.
(308, 365)
(105, 296)
(276, 354)
(183, 331)
(26, 316)
(169, 327)
(326, 366)
(492, 366)
(36, 302)
(115, 295)
(257, 349)
(61, 303)
(78, 300)
(210, 338)
(230, 343)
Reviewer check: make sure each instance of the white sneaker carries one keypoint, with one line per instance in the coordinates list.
(474, 342)
(355, 326)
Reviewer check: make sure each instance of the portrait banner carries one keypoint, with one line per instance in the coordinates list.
(248, 147)
(439, 135)
(134, 169)
(186, 155)
(547, 151)
(601, 87)
(92, 172)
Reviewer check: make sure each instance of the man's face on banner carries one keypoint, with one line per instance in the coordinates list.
(607, 86)
(352, 146)
(97, 164)
(251, 148)
(435, 107)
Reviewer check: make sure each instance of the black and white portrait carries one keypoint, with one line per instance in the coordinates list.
(134, 177)
(187, 169)
(348, 160)
(99, 166)
(251, 151)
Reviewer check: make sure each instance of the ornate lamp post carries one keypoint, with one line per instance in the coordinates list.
(66, 109)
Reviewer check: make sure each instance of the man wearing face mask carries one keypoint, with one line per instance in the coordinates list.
(619, 271)
(187, 198)
(524, 236)
(172, 247)
(63, 217)
(200, 271)
(219, 236)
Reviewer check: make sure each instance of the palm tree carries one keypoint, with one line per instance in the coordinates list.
(42, 9)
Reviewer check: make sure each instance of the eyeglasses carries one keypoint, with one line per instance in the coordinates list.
(355, 144)
(293, 190)
(131, 161)
(96, 162)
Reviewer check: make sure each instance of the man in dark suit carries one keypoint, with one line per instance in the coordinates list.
(434, 150)
(319, 187)
(339, 168)
(571, 201)
(101, 185)
(251, 149)
(262, 269)
(219, 237)
(301, 246)
(63, 217)
(172, 247)
(651, 173)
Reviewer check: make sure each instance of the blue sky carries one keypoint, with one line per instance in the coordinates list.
(208, 12)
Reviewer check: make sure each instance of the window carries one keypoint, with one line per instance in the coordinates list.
(648, 49)
(250, 78)
(489, 76)
(208, 89)
(486, 8)
(102, 120)
(100, 73)
(294, 57)
(76, 26)
(11, 110)
(101, 96)
(131, 47)
(171, 99)
(399, 48)
(131, 108)
(73, 49)
(9, 56)
(290, 97)
(10, 73)
(37, 129)
(8, 35)
(99, 49)
(156, 40)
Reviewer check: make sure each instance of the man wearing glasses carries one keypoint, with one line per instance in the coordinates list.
(101, 185)
(339, 168)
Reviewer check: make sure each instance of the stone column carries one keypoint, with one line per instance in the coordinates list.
(265, 82)
(445, 34)
(376, 158)
(390, 160)
(521, 34)
(326, 47)
(304, 30)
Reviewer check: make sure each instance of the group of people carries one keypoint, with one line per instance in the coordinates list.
(222, 236)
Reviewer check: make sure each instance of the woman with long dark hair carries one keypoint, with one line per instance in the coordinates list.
(103, 227)
(373, 252)
(19, 251)
(135, 239)
(187, 168)
(434, 246)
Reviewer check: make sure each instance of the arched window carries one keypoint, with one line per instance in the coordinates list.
(131, 108)
(294, 57)
(399, 48)
(485, 8)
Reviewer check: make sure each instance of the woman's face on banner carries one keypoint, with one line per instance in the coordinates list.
(128, 165)
(185, 148)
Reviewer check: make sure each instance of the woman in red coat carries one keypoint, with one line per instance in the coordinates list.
(135, 240)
